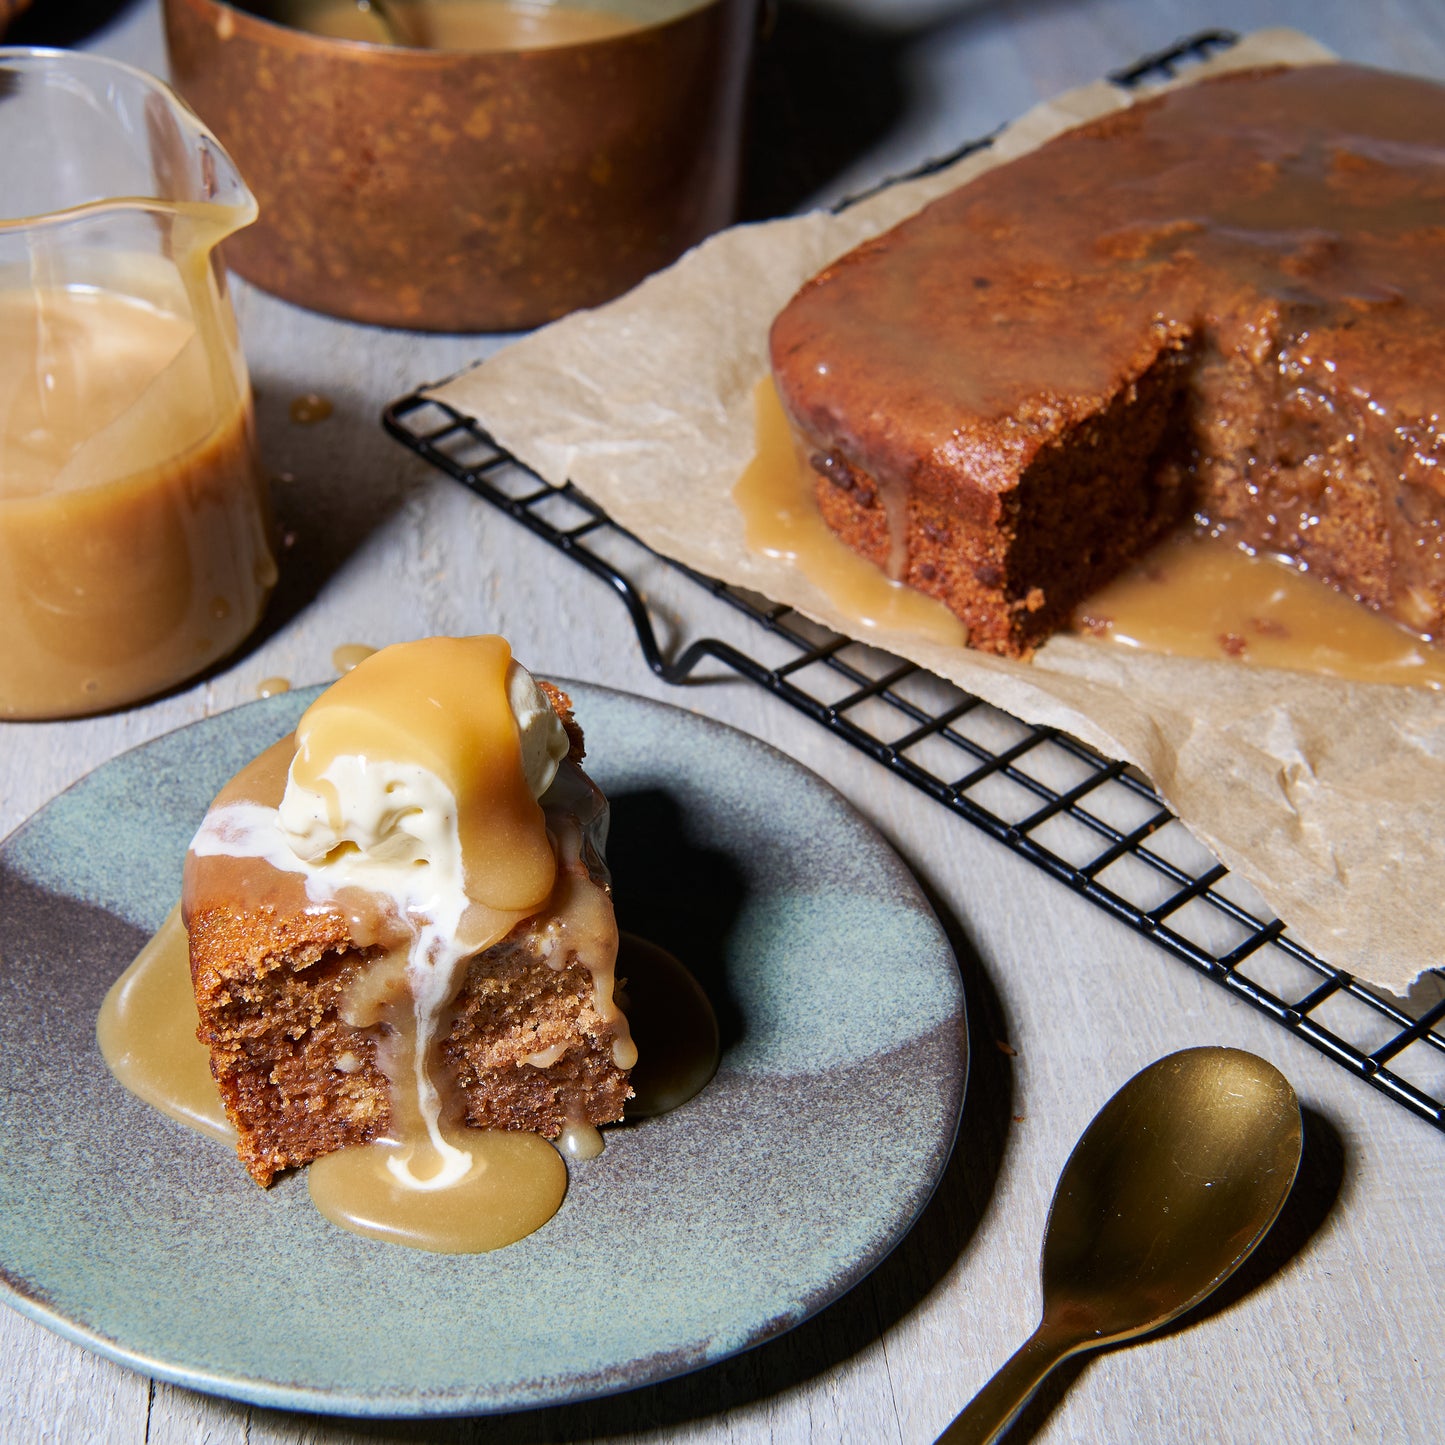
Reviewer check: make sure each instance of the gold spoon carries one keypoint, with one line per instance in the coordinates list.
(1177, 1179)
(385, 15)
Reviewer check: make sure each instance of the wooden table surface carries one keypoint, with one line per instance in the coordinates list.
(1341, 1332)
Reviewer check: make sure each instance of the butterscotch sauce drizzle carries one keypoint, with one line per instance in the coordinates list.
(781, 518)
(580, 1140)
(513, 1186)
(310, 408)
(581, 925)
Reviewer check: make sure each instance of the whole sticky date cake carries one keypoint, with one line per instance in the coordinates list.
(1224, 302)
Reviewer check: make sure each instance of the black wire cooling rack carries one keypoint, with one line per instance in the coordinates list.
(1095, 825)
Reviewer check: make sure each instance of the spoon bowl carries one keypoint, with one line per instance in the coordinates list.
(1171, 1187)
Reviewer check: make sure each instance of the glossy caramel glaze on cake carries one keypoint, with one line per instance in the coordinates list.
(1228, 299)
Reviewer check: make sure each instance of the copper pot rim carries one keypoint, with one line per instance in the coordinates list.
(261, 30)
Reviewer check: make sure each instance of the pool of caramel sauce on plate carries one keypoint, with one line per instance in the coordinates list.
(1193, 596)
(147, 1035)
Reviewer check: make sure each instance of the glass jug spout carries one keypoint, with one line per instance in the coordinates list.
(194, 183)
(116, 139)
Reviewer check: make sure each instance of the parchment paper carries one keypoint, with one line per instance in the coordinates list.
(1323, 794)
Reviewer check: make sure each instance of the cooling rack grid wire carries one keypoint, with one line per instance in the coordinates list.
(1094, 825)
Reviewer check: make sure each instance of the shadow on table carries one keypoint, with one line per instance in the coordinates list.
(830, 83)
(848, 1326)
(49, 22)
(1316, 1189)
(333, 484)
(676, 894)
(826, 86)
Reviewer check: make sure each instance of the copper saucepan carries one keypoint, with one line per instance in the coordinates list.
(454, 191)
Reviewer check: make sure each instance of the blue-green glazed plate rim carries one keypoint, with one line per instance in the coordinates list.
(693, 1237)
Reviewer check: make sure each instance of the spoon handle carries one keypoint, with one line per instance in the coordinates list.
(992, 1410)
(386, 17)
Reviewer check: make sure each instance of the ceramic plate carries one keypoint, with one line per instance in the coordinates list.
(694, 1236)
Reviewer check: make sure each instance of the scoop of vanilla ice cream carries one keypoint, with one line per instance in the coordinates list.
(396, 813)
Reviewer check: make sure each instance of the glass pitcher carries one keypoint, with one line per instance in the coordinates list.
(135, 546)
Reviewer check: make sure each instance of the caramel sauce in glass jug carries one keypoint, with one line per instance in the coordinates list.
(134, 526)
